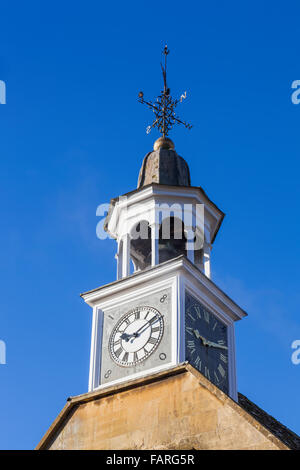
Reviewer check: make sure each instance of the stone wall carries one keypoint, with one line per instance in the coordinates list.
(181, 411)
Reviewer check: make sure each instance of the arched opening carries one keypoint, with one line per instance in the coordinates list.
(140, 246)
(172, 239)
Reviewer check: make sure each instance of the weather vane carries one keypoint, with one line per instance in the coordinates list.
(164, 106)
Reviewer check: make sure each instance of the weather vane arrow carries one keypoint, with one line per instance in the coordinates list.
(164, 106)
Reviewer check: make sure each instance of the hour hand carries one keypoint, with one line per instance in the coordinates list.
(198, 336)
(208, 343)
(126, 336)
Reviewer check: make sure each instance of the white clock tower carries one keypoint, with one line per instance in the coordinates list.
(164, 308)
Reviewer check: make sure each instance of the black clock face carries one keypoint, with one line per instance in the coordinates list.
(206, 343)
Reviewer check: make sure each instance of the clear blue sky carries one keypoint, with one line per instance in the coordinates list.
(73, 136)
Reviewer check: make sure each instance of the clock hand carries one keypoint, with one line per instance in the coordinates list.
(198, 336)
(208, 343)
(126, 336)
(216, 345)
(143, 328)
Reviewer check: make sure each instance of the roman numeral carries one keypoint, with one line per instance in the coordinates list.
(206, 316)
(215, 325)
(216, 377)
(153, 319)
(221, 342)
(191, 346)
(135, 357)
(198, 363)
(189, 330)
(152, 340)
(191, 317)
(147, 315)
(118, 352)
(155, 329)
(223, 358)
(117, 342)
(137, 315)
(198, 311)
(125, 358)
(206, 373)
(196, 333)
(221, 370)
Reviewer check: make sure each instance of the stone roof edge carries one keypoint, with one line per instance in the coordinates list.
(284, 434)
(237, 407)
(104, 392)
(135, 383)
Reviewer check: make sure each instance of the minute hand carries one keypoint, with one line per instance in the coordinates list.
(144, 327)
(216, 345)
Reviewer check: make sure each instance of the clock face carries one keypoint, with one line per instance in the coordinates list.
(136, 336)
(206, 343)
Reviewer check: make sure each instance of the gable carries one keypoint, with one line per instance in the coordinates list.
(174, 409)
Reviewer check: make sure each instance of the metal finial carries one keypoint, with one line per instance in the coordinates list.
(164, 106)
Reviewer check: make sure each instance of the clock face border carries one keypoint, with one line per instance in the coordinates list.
(160, 296)
(124, 339)
(212, 304)
(206, 342)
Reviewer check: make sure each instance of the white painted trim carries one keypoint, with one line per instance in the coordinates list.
(164, 270)
(96, 347)
(161, 191)
(119, 257)
(232, 364)
(92, 349)
(126, 255)
(147, 203)
(136, 376)
(115, 300)
(181, 320)
(206, 259)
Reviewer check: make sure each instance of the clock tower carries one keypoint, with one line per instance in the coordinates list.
(164, 308)
(162, 362)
